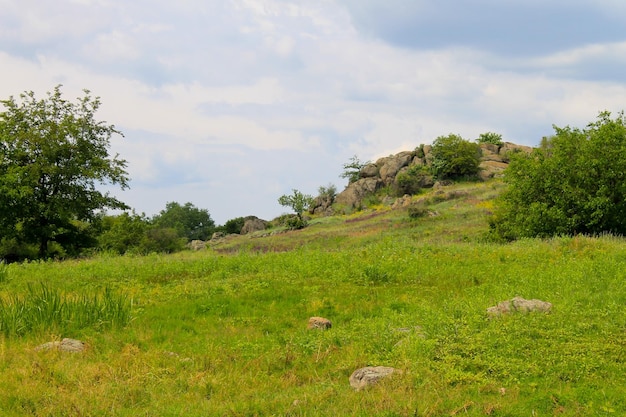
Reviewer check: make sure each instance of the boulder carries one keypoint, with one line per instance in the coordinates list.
(370, 375)
(519, 304)
(197, 244)
(491, 168)
(322, 205)
(65, 345)
(369, 171)
(319, 323)
(253, 224)
(402, 202)
(391, 165)
(354, 193)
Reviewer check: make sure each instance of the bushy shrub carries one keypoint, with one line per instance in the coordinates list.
(490, 137)
(352, 169)
(416, 211)
(410, 181)
(574, 183)
(453, 157)
(233, 226)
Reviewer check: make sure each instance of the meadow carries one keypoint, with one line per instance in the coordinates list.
(223, 331)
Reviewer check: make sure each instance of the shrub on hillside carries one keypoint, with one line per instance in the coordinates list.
(453, 157)
(574, 183)
(490, 137)
(410, 181)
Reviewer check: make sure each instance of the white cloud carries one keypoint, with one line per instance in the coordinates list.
(261, 96)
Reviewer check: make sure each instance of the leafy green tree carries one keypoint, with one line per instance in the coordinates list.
(234, 226)
(123, 233)
(53, 156)
(453, 157)
(574, 183)
(352, 168)
(298, 202)
(490, 137)
(189, 221)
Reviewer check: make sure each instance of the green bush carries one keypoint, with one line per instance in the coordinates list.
(410, 181)
(490, 137)
(574, 183)
(234, 226)
(417, 210)
(352, 169)
(453, 157)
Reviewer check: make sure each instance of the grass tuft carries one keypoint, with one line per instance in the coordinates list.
(44, 309)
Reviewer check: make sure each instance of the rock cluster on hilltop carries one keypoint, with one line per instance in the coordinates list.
(386, 171)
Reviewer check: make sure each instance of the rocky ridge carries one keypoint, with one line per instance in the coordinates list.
(386, 171)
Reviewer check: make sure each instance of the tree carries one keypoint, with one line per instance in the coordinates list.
(234, 226)
(53, 155)
(352, 168)
(454, 157)
(574, 183)
(189, 221)
(490, 137)
(298, 202)
(123, 233)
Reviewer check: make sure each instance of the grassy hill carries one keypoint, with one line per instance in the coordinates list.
(222, 331)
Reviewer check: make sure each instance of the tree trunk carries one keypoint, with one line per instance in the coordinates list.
(43, 247)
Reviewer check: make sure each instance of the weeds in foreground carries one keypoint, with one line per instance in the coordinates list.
(47, 309)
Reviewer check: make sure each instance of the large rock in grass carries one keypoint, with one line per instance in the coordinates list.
(65, 345)
(319, 323)
(519, 304)
(370, 375)
(253, 224)
(197, 244)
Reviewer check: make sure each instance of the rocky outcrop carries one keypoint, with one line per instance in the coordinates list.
(354, 194)
(390, 171)
(391, 165)
(253, 224)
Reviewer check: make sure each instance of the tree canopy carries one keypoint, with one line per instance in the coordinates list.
(574, 183)
(189, 221)
(299, 203)
(454, 157)
(53, 156)
(352, 169)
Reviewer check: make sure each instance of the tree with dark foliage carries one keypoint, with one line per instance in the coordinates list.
(53, 156)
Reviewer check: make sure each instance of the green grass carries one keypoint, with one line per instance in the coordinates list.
(222, 332)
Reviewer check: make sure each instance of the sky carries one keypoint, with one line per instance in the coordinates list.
(229, 104)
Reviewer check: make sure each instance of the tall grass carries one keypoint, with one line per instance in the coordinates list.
(46, 309)
(222, 332)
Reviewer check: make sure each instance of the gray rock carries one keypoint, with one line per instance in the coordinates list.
(253, 225)
(218, 235)
(65, 345)
(369, 171)
(319, 323)
(197, 244)
(519, 304)
(391, 166)
(352, 196)
(370, 375)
